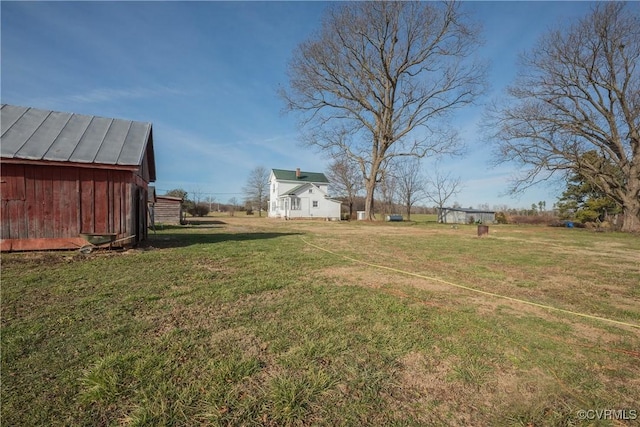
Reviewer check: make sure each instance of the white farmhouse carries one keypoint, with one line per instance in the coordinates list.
(297, 194)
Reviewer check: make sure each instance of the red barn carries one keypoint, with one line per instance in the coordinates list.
(66, 177)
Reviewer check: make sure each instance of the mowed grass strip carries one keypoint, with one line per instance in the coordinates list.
(242, 323)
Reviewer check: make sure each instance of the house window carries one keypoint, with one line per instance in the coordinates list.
(295, 204)
(315, 203)
(311, 191)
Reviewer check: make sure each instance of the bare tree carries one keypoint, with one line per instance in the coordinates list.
(410, 182)
(440, 187)
(389, 190)
(233, 205)
(196, 194)
(345, 179)
(578, 91)
(256, 190)
(211, 200)
(380, 79)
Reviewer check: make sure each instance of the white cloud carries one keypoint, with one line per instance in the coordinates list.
(106, 95)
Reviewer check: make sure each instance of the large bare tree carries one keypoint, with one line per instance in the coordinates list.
(579, 91)
(379, 80)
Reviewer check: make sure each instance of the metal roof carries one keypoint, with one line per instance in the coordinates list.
(287, 175)
(34, 134)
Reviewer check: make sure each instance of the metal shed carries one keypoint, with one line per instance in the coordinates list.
(466, 216)
(66, 174)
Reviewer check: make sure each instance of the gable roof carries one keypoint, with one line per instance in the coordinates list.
(298, 188)
(287, 175)
(34, 134)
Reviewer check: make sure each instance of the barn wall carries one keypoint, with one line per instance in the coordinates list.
(57, 202)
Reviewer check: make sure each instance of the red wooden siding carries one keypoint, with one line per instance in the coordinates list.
(48, 202)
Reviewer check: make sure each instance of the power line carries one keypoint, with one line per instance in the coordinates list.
(159, 190)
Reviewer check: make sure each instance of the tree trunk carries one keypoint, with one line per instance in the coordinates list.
(408, 212)
(631, 216)
(370, 187)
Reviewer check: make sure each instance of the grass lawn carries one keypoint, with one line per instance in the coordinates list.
(244, 321)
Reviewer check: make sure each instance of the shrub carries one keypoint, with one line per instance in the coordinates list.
(533, 219)
(198, 209)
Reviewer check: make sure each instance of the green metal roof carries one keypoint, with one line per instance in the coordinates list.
(287, 175)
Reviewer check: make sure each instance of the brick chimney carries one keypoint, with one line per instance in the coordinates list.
(298, 173)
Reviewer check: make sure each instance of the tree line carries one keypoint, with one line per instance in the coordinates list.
(195, 204)
(403, 185)
(407, 189)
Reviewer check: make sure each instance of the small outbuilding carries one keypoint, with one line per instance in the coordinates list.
(466, 216)
(67, 176)
(168, 210)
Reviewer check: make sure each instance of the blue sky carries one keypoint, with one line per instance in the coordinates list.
(206, 75)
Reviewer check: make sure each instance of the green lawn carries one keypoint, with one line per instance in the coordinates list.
(242, 322)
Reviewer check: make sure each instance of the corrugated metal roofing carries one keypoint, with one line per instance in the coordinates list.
(34, 134)
(287, 175)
